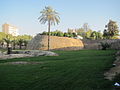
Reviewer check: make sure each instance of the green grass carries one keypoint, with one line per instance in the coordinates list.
(72, 70)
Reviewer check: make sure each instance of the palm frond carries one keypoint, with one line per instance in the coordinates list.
(49, 14)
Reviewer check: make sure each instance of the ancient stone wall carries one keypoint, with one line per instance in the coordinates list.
(96, 44)
(40, 42)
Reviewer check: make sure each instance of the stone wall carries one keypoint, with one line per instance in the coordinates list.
(96, 44)
(40, 42)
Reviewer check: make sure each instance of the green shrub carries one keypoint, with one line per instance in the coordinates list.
(105, 45)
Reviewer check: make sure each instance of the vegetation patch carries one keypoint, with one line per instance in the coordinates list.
(71, 70)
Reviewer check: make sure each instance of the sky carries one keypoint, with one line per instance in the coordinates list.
(73, 14)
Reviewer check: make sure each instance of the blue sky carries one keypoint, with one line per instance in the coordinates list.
(73, 14)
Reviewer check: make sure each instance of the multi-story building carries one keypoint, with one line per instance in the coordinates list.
(72, 30)
(10, 29)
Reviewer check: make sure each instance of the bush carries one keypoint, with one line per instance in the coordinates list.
(105, 45)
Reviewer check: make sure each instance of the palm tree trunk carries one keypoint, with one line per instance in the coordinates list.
(48, 35)
(14, 45)
(20, 46)
(7, 44)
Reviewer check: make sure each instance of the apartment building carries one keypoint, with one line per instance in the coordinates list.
(10, 29)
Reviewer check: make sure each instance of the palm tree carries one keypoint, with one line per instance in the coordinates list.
(14, 42)
(20, 42)
(25, 43)
(7, 40)
(50, 16)
(2, 43)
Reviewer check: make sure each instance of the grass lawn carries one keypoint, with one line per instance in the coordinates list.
(72, 70)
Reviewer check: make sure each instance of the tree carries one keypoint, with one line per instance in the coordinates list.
(7, 40)
(59, 33)
(112, 28)
(45, 33)
(50, 16)
(1, 43)
(81, 32)
(2, 35)
(66, 35)
(25, 43)
(99, 35)
(94, 35)
(20, 43)
(105, 34)
(14, 43)
(24, 37)
(88, 34)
